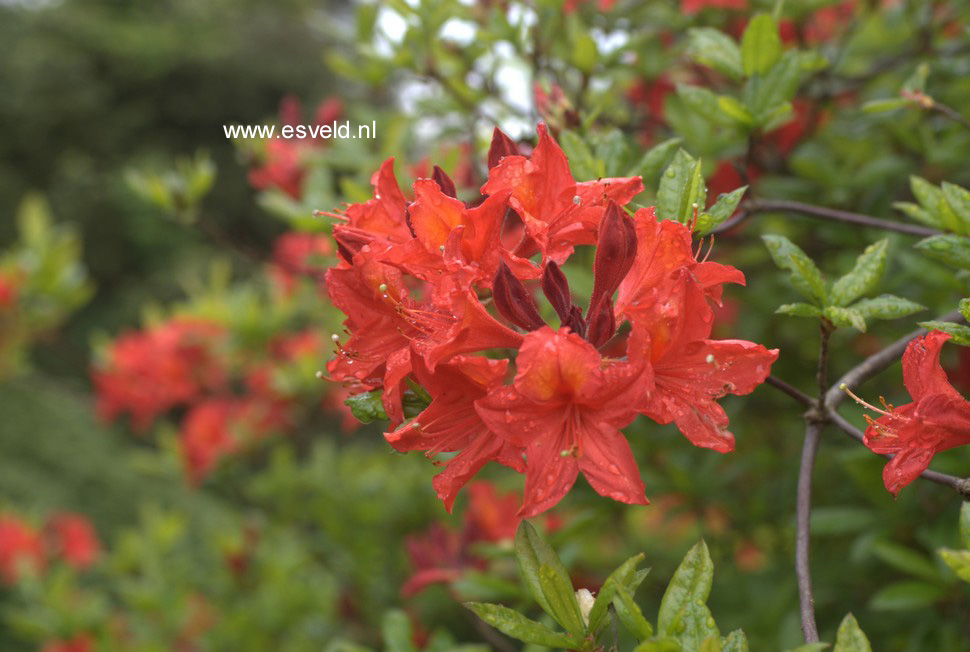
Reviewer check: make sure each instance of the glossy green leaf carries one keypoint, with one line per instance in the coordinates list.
(957, 199)
(532, 552)
(864, 277)
(845, 318)
(660, 644)
(721, 210)
(367, 407)
(805, 276)
(630, 615)
(681, 186)
(850, 637)
(959, 334)
(622, 576)
(702, 101)
(760, 45)
(810, 647)
(906, 596)
(683, 610)
(964, 308)
(799, 310)
(651, 164)
(715, 49)
(953, 250)
(736, 641)
(768, 97)
(513, 624)
(561, 596)
(928, 195)
(919, 214)
(886, 306)
(733, 109)
(582, 163)
(884, 105)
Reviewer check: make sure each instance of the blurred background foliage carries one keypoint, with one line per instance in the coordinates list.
(113, 112)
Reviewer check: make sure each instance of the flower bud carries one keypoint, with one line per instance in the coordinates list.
(556, 288)
(513, 300)
(444, 182)
(501, 146)
(586, 602)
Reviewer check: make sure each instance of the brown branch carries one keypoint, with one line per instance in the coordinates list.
(783, 205)
(803, 513)
(794, 392)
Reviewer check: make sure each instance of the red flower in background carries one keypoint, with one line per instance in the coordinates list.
(938, 418)
(8, 291)
(150, 372)
(20, 547)
(78, 643)
(72, 538)
(694, 6)
(298, 254)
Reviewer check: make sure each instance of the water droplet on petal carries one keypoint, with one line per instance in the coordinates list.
(614, 469)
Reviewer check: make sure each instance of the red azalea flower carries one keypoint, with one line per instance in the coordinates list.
(492, 516)
(8, 291)
(450, 423)
(152, 371)
(78, 643)
(282, 169)
(566, 407)
(438, 557)
(206, 437)
(73, 539)
(20, 547)
(298, 254)
(938, 419)
(694, 6)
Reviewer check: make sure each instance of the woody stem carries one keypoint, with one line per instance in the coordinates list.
(815, 419)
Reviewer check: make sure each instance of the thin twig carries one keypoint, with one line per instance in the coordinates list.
(803, 513)
(877, 362)
(959, 485)
(794, 392)
(821, 212)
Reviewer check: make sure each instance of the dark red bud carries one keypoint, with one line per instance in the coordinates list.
(513, 300)
(602, 324)
(575, 321)
(616, 249)
(444, 182)
(501, 146)
(556, 288)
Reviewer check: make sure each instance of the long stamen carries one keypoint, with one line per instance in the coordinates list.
(845, 388)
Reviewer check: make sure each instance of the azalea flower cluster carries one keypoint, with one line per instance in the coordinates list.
(231, 394)
(442, 294)
(65, 536)
(938, 419)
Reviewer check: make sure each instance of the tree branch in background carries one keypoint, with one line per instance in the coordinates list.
(753, 206)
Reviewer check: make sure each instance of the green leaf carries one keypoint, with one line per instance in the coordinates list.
(959, 333)
(660, 644)
(630, 615)
(652, 162)
(367, 407)
(888, 104)
(906, 596)
(621, 577)
(760, 45)
(958, 561)
(919, 214)
(683, 610)
(736, 641)
(563, 606)
(916, 82)
(810, 647)
(582, 163)
(799, 310)
(846, 317)
(584, 54)
(768, 97)
(886, 306)
(850, 637)
(906, 560)
(839, 521)
(928, 195)
(964, 308)
(805, 276)
(957, 199)
(512, 623)
(532, 552)
(715, 49)
(869, 268)
(611, 153)
(722, 209)
(733, 109)
(396, 630)
(953, 250)
(704, 102)
(681, 186)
